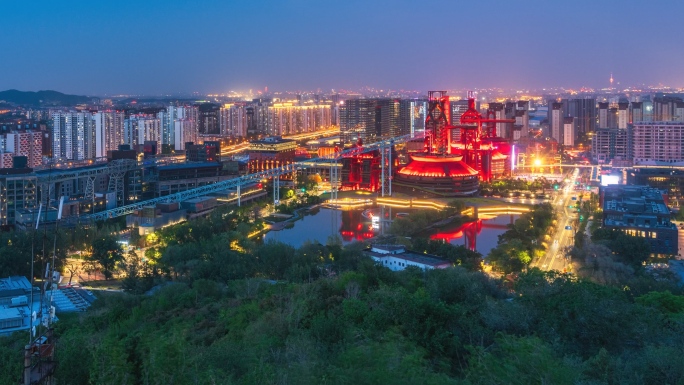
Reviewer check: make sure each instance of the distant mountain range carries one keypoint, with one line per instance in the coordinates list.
(42, 98)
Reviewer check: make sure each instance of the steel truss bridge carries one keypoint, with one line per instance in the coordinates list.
(384, 146)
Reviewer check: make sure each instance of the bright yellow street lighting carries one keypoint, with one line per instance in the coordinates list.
(537, 162)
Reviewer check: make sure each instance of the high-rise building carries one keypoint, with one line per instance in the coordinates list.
(679, 112)
(584, 112)
(556, 121)
(209, 119)
(168, 119)
(357, 119)
(522, 123)
(623, 115)
(603, 115)
(568, 131)
(412, 114)
(665, 109)
(140, 128)
(109, 128)
(73, 135)
(613, 117)
(511, 112)
(658, 141)
(498, 111)
(648, 108)
(387, 117)
(458, 107)
(611, 143)
(257, 118)
(28, 144)
(287, 118)
(637, 112)
(234, 120)
(185, 131)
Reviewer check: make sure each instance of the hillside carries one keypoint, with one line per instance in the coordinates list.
(42, 98)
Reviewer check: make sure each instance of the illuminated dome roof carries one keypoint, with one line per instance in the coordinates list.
(437, 167)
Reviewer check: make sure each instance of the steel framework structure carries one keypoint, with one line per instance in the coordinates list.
(252, 178)
(47, 178)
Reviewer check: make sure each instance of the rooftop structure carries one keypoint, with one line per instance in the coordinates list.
(15, 305)
(641, 211)
(396, 257)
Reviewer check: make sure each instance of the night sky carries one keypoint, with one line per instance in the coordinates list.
(159, 47)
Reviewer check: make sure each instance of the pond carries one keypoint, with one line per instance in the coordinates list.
(355, 225)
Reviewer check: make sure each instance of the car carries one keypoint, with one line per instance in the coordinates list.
(568, 227)
(574, 198)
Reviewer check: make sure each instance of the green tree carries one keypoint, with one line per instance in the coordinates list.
(632, 249)
(107, 253)
(520, 360)
(510, 257)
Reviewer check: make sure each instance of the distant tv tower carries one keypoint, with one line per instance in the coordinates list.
(611, 80)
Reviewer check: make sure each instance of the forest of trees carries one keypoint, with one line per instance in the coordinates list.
(365, 324)
(228, 310)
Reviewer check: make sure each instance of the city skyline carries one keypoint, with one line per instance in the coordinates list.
(158, 48)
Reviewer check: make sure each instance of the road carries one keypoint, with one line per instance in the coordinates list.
(555, 257)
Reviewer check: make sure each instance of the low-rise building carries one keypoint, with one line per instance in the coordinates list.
(396, 257)
(16, 307)
(641, 211)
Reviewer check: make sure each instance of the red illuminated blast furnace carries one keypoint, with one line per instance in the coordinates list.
(435, 170)
(478, 145)
(453, 167)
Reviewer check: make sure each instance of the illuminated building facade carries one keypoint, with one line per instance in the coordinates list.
(28, 144)
(289, 118)
(257, 119)
(17, 192)
(667, 179)
(168, 119)
(362, 171)
(185, 131)
(441, 169)
(109, 131)
(234, 120)
(73, 135)
(140, 128)
(568, 131)
(357, 120)
(556, 121)
(270, 152)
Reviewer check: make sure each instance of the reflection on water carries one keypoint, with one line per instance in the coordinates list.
(481, 235)
(351, 225)
(319, 224)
